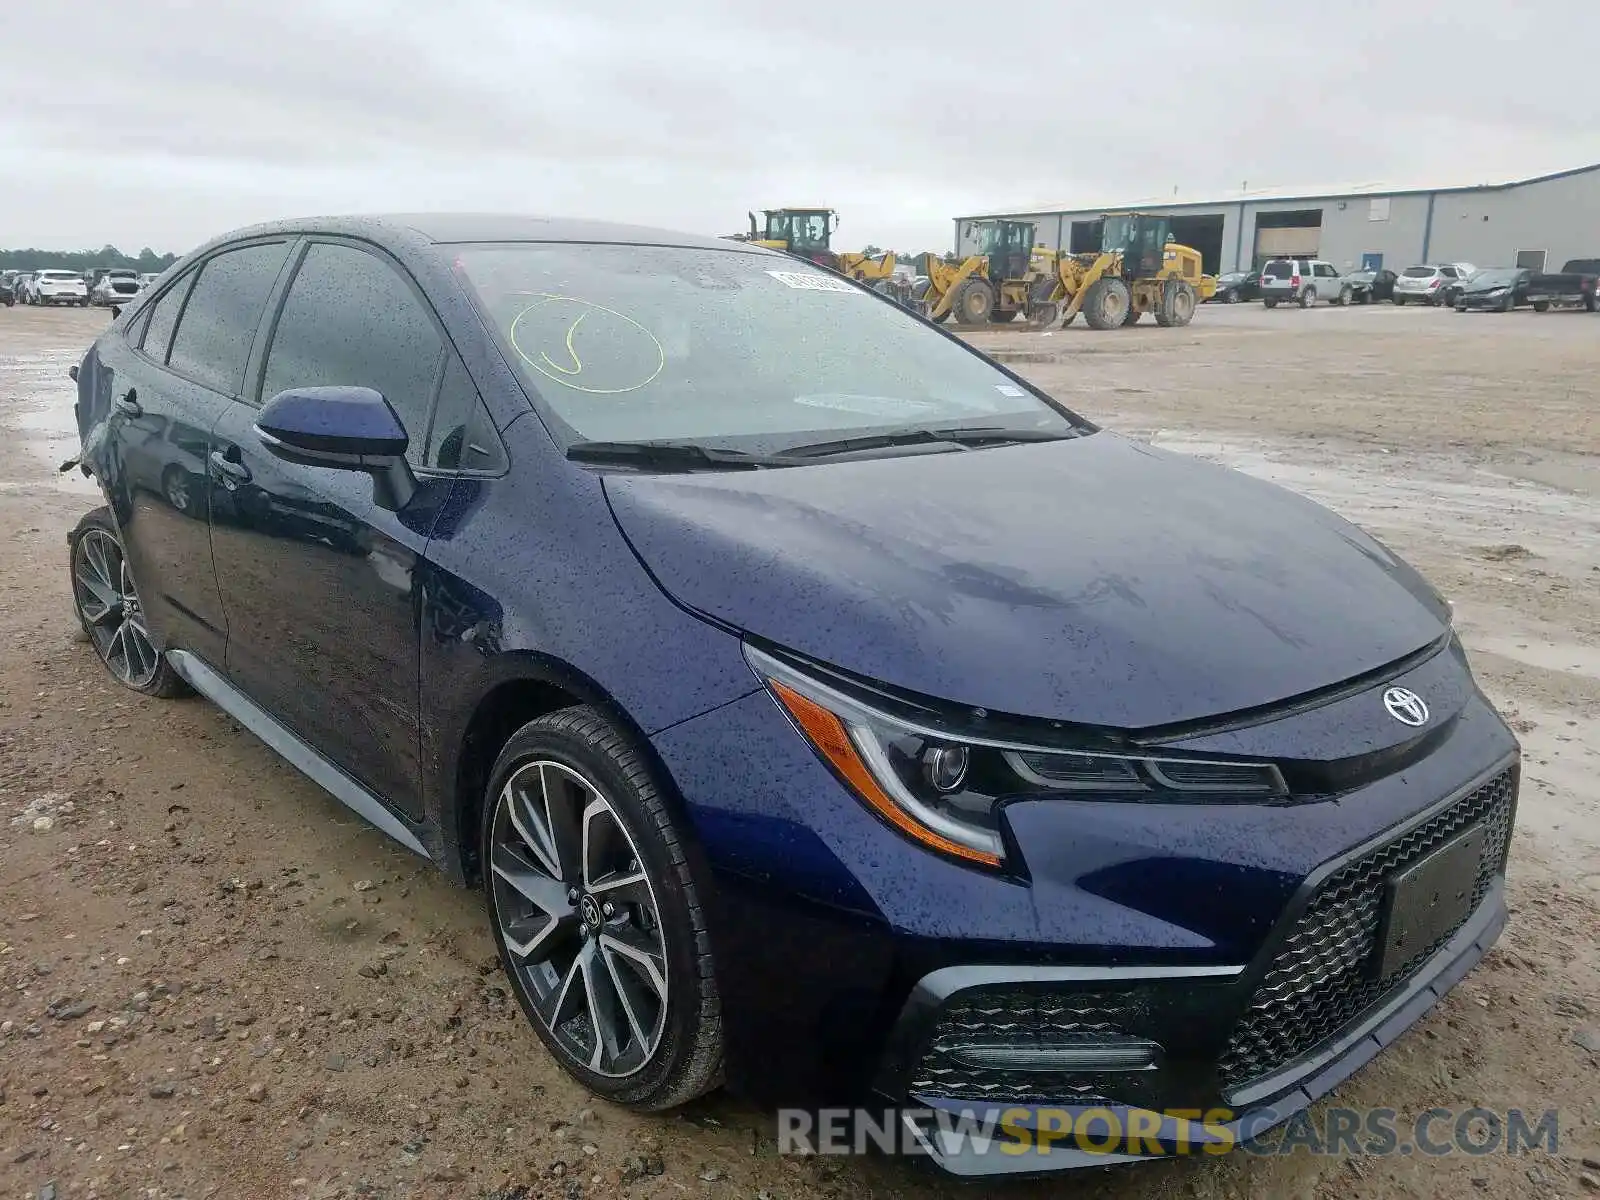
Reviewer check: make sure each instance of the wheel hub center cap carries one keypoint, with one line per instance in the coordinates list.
(589, 910)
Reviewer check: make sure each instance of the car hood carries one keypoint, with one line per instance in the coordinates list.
(1094, 580)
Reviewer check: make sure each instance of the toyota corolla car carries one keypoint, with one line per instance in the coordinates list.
(820, 706)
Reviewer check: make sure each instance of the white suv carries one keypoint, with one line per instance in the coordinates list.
(57, 287)
(1425, 284)
(1303, 281)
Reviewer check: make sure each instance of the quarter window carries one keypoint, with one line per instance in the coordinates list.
(350, 320)
(164, 318)
(219, 322)
(462, 438)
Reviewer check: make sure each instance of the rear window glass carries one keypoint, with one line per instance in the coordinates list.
(1278, 270)
(1419, 272)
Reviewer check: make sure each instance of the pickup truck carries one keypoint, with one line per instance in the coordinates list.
(1578, 282)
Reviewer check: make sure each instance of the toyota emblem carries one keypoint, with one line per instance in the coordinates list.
(1406, 706)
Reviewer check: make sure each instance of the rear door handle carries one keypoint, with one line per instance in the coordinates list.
(226, 468)
(128, 403)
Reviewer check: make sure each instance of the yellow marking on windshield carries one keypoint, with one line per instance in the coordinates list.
(568, 376)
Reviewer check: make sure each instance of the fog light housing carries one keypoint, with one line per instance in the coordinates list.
(1086, 1053)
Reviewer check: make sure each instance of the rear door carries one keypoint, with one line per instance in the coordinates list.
(321, 584)
(168, 382)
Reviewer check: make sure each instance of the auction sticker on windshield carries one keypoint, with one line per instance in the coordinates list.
(806, 281)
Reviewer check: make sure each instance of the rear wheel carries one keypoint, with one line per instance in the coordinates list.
(1106, 306)
(1541, 306)
(1308, 298)
(974, 303)
(1177, 304)
(1269, 302)
(108, 607)
(596, 913)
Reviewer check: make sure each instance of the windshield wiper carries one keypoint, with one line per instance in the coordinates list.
(960, 435)
(676, 455)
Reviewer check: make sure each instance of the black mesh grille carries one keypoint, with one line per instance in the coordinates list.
(1021, 1017)
(1319, 982)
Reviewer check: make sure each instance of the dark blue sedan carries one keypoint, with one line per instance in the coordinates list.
(820, 707)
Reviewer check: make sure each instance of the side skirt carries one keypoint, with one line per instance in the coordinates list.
(312, 764)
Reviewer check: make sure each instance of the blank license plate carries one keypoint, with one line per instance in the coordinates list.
(1429, 899)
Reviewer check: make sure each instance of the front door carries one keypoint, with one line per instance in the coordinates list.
(321, 584)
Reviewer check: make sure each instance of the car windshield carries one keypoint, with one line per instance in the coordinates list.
(1420, 272)
(1493, 278)
(729, 348)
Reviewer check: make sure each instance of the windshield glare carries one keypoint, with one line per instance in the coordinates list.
(727, 348)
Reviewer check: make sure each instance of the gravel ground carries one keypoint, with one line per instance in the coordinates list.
(217, 983)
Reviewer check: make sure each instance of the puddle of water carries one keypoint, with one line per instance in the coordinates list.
(39, 410)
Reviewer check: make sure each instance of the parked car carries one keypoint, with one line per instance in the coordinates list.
(57, 287)
(148, 279)
(1577, 283)
(115, 286)
(651, 626)
(1497, 288)
(1422, 284)
(1372, 287)
(19, 285)
(1235, 286)
(1303, 281)
(8, 295)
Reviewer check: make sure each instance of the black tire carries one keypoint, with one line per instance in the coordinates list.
(84, 303)
(1003, 316)
(1344, 297)
(83, 543)
(1043, 313)
(687, 1059)
(974, 302)
(1231, 296)
(1399, 301)
(1177, 304)
(1506, 305)
(1308, 297)
(1107, 304)
(1541, 306)
(1269, 302)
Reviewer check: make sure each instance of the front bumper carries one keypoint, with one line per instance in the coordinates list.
(1247, 1045)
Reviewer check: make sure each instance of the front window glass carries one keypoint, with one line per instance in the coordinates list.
(732, 348)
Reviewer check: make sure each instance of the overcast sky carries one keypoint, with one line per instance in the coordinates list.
(161, 123)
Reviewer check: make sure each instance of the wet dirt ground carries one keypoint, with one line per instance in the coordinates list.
(218, 983)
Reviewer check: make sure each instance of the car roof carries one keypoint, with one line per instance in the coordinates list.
(490, 227)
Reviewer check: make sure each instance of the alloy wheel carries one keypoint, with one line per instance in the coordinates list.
(578, 917)
(109, 605)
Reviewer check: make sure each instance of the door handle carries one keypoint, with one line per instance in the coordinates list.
(226, 468)
(128, 403)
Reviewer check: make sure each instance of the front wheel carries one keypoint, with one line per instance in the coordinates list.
(1344, 297)
(107, 604)
(974, 302)
(1541, 306)
(1230, 296)
(597, 915)
(1177, 304)
(1400, 301)
(1107, 303)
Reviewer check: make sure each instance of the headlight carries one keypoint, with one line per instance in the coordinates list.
(943, 787)
(1499, 291)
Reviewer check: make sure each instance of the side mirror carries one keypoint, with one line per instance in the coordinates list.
(116, 311)
(752, 217)
(343, 429)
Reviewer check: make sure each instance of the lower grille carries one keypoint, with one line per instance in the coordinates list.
(1021, 1017)
(1319, 983)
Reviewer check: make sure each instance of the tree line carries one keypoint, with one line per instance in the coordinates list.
(30, 259)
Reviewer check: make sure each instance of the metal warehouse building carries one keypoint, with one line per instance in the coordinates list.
(1530, 222)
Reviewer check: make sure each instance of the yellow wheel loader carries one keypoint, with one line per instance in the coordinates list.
(993, 285)
(805, 233)
(1138, 269)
